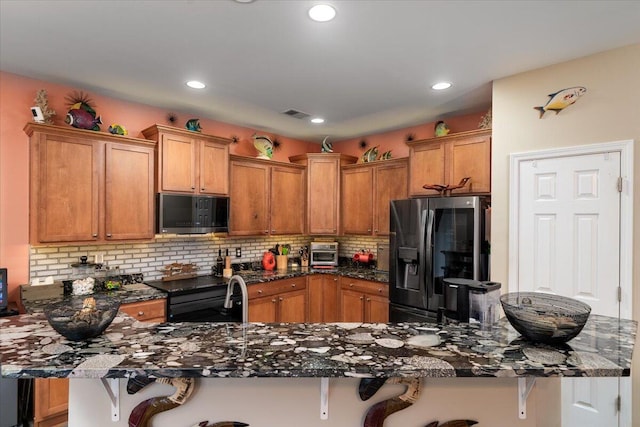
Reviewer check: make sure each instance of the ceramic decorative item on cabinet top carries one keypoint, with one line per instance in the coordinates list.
(370, 155)
(193, 125)
(441, 128)
(326, 147)
(264, 145)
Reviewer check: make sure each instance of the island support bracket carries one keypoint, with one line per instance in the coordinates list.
(525, 384)
(112, 387)
(324, 398)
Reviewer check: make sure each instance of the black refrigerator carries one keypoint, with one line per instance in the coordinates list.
(432, 239)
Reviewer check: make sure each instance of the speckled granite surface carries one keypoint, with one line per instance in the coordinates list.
(29, 347)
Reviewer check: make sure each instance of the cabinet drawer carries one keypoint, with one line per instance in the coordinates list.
(376, 288)
(153, 310)
(258, 290)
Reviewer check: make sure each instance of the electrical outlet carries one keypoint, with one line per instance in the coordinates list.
(238, 252)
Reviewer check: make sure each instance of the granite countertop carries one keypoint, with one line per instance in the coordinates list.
(136, 292)
(261, 276)
(29, 347)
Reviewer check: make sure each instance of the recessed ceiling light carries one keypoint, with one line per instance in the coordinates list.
(441, 86)
(322, 13)
(196, 84)
(244, 1)
(317, 120)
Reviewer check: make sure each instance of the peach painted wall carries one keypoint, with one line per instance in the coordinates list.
(17, 94)
(395, 140)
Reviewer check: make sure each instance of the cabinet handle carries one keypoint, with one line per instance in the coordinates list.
(141, 313)
(380, 290)
(273, 301)
(375, 231)
(361, 298)
(351, 285)
(266, 231)
(280, 298)
(368, 230)
(94, 235)
(108, 234)
(293, 285)
(368, 299)
(202, 189)
(193, 187)
(273, 231)
(335, 280)
(259, 291)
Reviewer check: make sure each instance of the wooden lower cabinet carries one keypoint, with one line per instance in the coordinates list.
(363, 301)
(278, 301)
(51, 402)
(51, 395)
(323, 298)
(147, 311)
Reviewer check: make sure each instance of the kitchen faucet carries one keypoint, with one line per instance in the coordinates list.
(245, 296)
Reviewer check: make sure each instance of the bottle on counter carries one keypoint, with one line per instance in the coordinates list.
(219, 264)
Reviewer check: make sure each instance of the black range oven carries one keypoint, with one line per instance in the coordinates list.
(200, 299)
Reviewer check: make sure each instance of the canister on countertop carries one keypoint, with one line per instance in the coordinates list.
(383, 257)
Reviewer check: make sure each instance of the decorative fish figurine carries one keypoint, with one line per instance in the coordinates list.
(141, 415)
(454, 423)
(370, 155)
(386, 155)
(562, 99)
(221, 424)
(117, 129)
(441, 128)
(193, 125)
(326, 147)
(380, 411)
(264, 146)
(82, 116)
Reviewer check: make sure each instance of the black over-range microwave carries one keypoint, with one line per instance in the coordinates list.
(185, 214)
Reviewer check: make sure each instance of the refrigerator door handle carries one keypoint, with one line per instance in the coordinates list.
(428, 253)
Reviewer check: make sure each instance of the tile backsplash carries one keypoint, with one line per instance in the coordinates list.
(150, 257)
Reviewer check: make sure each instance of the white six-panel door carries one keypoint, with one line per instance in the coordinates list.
(568, 242)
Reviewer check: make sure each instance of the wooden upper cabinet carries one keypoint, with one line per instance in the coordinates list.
(323, 190)
(357, 200)
(129, 195)
(249, 198)
(190, 162)
(266, 197)
(448, 159)
(367, 190)
(88, 186)
(287, 200)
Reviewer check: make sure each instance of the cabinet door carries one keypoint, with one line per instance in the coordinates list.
(426, 166)
(287, 200)
(129, 196)
(292, 306)
(177, 163)
(351, 306)
(376, 309)
(263, 309)
(214, 168)
(323, 298)
(249, 199)
(51, 401)
(357, 200)
(390, 184)
(470, 157)
(323, 196)
(68, 174)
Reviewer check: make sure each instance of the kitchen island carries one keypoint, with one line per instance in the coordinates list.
(298, 353)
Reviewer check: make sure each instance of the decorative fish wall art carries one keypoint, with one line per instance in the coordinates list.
(560, 100)
(81, 113)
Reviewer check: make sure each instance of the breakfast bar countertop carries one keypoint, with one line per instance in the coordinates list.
(29, 347)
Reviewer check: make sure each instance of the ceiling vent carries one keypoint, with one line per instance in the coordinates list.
(296, 114)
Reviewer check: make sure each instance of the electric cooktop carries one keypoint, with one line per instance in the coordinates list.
(188, 285)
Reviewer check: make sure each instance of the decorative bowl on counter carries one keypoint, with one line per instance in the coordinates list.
(79, 319)
(545, 318)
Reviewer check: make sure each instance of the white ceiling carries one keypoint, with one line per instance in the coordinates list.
(367, 71)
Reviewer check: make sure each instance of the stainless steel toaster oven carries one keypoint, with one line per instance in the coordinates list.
(323, 254)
